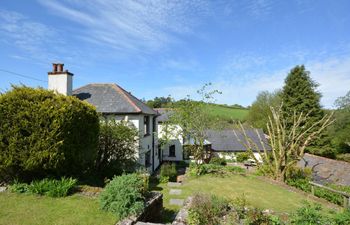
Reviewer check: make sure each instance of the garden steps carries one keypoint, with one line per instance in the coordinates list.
(175, 192)
(174, 184)
(176, 201)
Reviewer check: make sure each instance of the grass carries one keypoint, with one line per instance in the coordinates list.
(30, 209)
(258, 193)
(227, 113)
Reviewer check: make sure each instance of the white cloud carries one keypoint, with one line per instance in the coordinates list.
(27, 35)
(332, 74)
(140, 26)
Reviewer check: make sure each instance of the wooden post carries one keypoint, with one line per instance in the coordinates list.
(312, 190)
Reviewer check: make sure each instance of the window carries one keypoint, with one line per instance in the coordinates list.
(148, 159)
(146, 125)
(172, 151)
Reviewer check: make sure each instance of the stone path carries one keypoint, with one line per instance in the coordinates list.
(174, 184)
(175, 201)
(175, 191)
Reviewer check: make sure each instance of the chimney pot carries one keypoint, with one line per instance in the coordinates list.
(54, 67)
(60, 67)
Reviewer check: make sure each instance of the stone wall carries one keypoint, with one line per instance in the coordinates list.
(152, 212)
(327, 170)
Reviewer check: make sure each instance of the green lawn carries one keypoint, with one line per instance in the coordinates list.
(227, 113)
(31, 209)
(258, 193)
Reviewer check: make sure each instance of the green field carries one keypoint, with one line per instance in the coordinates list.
(30, 209)
(227, 113)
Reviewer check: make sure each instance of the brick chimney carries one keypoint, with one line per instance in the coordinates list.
(59, 80)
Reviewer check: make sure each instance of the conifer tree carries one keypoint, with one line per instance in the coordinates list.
(300, 95)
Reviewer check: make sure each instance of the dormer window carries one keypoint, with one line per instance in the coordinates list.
(146, 125)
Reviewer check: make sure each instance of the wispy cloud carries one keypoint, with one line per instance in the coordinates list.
(332, 74)
(132, 26)
(31, 37)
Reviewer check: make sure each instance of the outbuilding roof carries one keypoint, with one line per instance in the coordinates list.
(227, 141)
(110, 98)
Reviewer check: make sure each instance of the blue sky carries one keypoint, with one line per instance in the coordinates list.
(157, 48)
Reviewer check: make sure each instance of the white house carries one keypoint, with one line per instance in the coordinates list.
(114, 102)
(222, 143)
(172, 150)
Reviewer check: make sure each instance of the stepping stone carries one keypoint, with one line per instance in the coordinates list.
(175, 201)
(174, 184)
(175, 191)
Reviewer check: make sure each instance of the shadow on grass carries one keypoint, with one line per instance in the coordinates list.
(168, 215)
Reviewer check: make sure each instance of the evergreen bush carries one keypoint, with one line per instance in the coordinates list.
(124, 195)
(43, 133)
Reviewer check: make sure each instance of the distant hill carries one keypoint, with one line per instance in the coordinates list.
(227, 113)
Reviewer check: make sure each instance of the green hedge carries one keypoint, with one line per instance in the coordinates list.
(43, 133)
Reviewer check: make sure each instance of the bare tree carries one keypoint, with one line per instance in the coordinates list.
(287, 143)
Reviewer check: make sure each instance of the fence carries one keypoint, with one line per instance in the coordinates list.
(346, 196)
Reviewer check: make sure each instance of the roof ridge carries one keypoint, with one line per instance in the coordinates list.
(122, 91)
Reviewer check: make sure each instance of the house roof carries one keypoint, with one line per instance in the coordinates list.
(164, 114)
(111, 98)
(227, 141)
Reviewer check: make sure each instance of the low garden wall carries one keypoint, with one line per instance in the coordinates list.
(152, 212)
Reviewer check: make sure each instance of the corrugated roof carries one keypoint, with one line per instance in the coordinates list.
(111, 98)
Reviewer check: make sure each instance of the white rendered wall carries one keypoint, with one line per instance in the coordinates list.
(61, 83)
(174, 138)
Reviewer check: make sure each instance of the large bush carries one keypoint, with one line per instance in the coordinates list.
(116, 149)
(43, 133)
(124, 195)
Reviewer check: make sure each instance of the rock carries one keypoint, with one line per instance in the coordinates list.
(2, 189)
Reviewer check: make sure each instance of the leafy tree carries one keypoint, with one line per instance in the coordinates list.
(260, 111)
(193, 119)
(117, 147)
(159, 102)
(43, 133)
(340, 131)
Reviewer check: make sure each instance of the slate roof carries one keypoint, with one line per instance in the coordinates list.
(110, 98)
(164, 114)
(226, 140)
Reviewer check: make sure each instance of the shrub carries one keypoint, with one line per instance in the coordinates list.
(48, 187)
(309, 214)
(116, 148)
(44, 133)
(53, 188)
(218, 161)
(18, 187)
(344, 157)
(123, 196)
(235, 169)
(242, 156)
(206, 209)
(202, 169)
(168, 172)
(342, 218)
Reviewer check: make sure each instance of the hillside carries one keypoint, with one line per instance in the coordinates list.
(227, 113)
